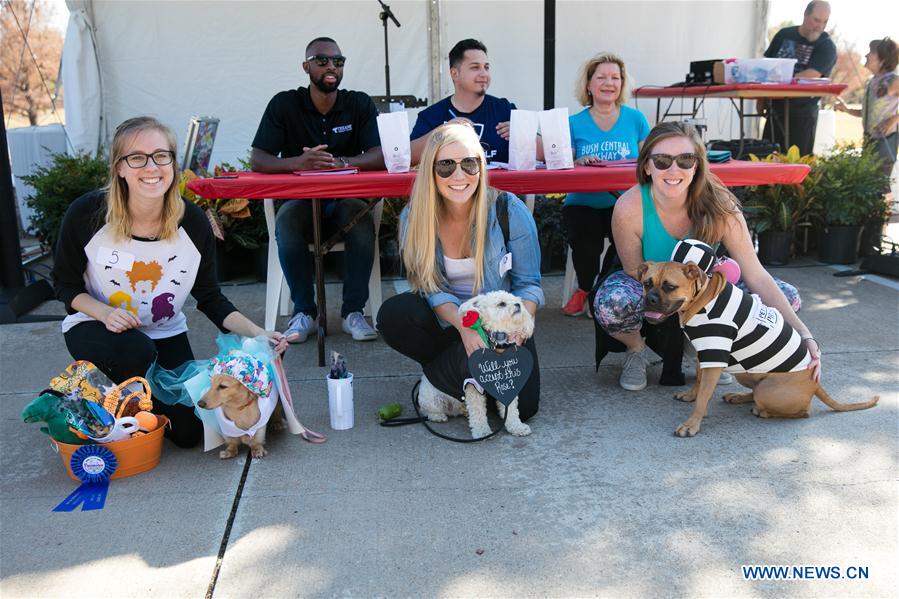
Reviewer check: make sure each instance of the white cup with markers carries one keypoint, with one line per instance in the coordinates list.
(340, 394)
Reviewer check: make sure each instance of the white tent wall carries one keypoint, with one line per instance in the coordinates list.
(226, 59)
(657, 41)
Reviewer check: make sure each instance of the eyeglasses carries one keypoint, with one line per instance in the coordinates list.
(139, 159)
(322, 60)
(663, 161)
(446, 167)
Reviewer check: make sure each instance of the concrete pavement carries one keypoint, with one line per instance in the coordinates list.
(601, 499)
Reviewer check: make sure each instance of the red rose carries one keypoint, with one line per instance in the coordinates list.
(470, 319)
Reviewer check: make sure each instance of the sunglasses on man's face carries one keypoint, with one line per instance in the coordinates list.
(664, 161)
(446, 167)
(322, 60)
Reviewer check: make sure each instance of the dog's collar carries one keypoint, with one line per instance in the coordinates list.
(498, 339)
(246, 405)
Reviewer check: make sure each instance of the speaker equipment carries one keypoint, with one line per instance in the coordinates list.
(701, 72)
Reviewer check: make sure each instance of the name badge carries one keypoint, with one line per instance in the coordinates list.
(767, 316)
(505, 264)
(114, 258)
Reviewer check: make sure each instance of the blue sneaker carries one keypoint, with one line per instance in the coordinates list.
(299, 328)
(355, 324)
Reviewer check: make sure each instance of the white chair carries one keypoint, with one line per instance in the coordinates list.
(277, 293)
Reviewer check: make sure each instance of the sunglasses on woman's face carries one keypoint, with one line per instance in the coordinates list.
(664, 161)
(139, 159)
(446, 167)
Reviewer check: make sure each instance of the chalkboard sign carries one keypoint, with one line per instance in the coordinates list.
(502, 375)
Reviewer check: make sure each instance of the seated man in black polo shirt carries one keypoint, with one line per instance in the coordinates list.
(321, 127)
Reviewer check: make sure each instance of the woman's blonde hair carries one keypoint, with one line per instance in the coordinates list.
(709, 202)
(117, 216)
(426, 208)
(585, 74)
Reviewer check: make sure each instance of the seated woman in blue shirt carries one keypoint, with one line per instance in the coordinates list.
(605, 130)
(453, 248)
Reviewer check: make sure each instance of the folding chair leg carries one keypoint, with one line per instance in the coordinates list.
(570, 282)
(275, 277)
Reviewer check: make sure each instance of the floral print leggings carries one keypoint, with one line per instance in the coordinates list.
(619, 302)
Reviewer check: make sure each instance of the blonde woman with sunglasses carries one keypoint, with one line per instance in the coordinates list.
(453, 248)
(677, 197)
(125, 262)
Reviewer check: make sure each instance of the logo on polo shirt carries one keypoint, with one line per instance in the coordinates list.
(342, 129)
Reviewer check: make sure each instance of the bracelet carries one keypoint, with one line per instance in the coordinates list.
(813, 339)
(345, 162)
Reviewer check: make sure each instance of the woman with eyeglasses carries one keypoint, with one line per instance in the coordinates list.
(677, 197)
(126, 259)
(453, 247)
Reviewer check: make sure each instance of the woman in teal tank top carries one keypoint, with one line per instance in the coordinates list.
(675, 197)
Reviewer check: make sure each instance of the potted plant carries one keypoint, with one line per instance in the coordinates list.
(775, 211)
(237, 223)
(58, 185)
(388, 235)
(550, 232)
(848, 194)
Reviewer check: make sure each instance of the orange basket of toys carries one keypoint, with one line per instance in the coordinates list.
(135, 455)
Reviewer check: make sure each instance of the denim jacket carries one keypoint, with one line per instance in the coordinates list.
(523, 279)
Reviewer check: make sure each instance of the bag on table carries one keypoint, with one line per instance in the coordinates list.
(523, 140)
(556, 139)
(393, 129)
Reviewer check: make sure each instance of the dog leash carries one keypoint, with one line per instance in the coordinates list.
(307, 434)
(393, 422)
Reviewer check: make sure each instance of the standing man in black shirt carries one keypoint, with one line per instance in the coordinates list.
(815, 55)
(313, 128)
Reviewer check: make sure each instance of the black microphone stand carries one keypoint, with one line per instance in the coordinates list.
(386, 13)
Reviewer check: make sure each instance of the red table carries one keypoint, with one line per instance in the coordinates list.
(378, 184)
(740, 92)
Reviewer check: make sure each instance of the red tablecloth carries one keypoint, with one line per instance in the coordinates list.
(771, 90)
(375, 184)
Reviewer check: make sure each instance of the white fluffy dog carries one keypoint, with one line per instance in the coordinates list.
(505, 319)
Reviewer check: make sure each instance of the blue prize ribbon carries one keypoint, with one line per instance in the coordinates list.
(92, 465)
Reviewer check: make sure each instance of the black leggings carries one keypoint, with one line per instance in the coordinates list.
(587, 230)
(408, 324)
(121, 356)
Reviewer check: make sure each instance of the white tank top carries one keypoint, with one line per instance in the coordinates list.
(460, 276)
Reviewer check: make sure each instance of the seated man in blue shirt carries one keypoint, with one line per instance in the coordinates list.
(470, 71)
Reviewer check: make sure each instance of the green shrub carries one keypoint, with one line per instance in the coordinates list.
(850, 188)
(58, 185)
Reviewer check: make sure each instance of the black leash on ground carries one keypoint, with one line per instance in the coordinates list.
(424, 420)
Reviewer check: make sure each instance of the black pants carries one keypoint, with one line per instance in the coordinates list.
(803, 124)
(408, 324)
(121, 356)
(587, 230)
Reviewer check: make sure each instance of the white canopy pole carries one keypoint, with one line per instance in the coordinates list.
(81, 79)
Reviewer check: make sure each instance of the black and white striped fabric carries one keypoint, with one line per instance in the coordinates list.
(739, 333)
(695, 251)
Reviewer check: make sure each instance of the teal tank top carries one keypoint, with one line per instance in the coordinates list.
(658, 244)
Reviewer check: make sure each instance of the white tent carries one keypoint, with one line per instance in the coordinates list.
(227, 59)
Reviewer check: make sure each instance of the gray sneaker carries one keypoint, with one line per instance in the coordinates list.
(633, 375)
(689, 365)
(689, 368)
(355, 324)
(299, 328)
